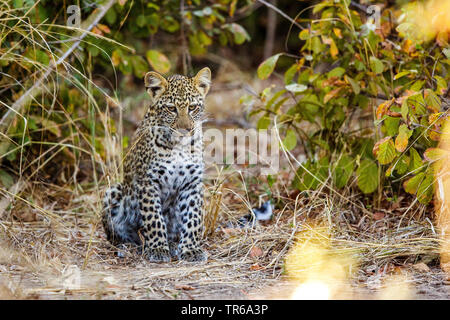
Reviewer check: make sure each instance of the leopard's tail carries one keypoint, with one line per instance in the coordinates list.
(121, 217)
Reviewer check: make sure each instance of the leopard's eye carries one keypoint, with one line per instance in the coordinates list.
(172, 109)
(192, 107)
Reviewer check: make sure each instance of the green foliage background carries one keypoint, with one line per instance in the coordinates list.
(366, 104)
(402, 84)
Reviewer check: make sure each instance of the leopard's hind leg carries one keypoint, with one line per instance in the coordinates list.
(121, 217)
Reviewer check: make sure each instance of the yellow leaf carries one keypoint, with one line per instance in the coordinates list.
(383, 108)
(401, 142)
(158, 61)
(97, 31)
(333, 49)
(104, 28)
(337, 32)
(115, 57)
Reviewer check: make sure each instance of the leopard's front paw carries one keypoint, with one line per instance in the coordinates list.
(193, 255)
(158, 255)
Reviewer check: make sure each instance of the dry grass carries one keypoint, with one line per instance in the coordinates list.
(37, 257)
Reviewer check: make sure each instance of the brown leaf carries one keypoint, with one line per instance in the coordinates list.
(97, 31)
(256, 267)
(183, 287)
(256, 252)
(378, 215)
(330, 95)
(230, 231)
(397, 203)
(293, 194)
(103, 28)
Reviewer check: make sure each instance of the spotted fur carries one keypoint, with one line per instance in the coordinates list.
(159, 203)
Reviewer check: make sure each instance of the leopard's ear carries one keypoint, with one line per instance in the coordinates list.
(155, 84)
(202, 81)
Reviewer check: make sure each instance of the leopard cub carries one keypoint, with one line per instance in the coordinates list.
(159, 203)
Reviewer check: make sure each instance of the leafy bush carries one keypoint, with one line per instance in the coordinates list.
(69, 121)
(347, 69)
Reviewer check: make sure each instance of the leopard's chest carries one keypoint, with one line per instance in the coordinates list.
(175, 170)
(176, 176)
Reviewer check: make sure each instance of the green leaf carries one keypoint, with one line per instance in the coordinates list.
(412, 185)
(401, 74)
(431, 99)
(204, 38)
(263, 123)
(405, 110)
(316, 45)
(422, 185)
(140, 67)
(271, 180)
(319, 171)
(336, 72)
(343, 171)
(18, 4)
(426, 188)
(290, 140)
(386, 152)
(37, 56)
(170, 24)
(434, 154)
(355, 85)
(417, 103)
(141, 20)
(320, 6)
(367, 174)
(266, 68)
(111, 16)
(441, 87)
(289, 74)
(304, 34)
(274, 98)
(417, 86)
(402, 165)
(125, 66)
(240, 35)
(391, 125)
(376, 65)
(6, 180)
(158, 61)
(416, 161)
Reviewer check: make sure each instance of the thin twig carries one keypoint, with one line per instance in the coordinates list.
(281, 13)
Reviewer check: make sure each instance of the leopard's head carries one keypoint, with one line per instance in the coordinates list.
(178, 102)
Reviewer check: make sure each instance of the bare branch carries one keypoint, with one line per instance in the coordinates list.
(284, 15)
